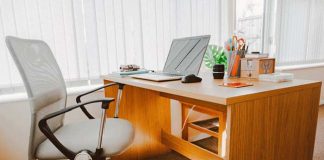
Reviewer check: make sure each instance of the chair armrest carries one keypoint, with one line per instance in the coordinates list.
(43, 126)
(78, 98)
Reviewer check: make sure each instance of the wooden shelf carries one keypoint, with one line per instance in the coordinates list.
(202, 149)
(209, 143)
(173, 155)
(208, 126)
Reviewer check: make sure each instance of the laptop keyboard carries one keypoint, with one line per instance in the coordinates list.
(166, 74)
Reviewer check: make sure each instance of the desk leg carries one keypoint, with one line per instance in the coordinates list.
(184, 112)
(149, 113)
(280, 127)
(221, 130)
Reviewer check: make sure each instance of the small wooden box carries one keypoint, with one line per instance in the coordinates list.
(252, 67)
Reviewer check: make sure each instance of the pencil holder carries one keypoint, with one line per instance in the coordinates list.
(218, 71)
(234, 69)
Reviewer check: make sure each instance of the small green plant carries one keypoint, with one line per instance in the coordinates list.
(215, 55)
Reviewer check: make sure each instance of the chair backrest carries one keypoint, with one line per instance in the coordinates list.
(43, 81)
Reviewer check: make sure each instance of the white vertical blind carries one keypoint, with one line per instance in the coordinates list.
(90, 38)
(299, 32)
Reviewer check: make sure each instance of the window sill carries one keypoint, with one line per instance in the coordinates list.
(297, 67)
(17, 97)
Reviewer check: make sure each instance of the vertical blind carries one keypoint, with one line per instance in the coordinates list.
(299, 32)
(90, 38)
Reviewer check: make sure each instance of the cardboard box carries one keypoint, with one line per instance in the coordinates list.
(252, 67)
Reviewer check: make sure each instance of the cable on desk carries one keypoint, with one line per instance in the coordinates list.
(185, 121)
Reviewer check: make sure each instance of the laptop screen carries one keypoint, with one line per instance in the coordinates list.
(186, 54)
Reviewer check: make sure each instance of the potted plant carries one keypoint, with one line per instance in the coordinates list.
(215, 58)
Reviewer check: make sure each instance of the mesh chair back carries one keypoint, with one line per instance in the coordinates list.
(43, 81)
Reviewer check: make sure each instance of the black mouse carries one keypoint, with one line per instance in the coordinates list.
(191, 78)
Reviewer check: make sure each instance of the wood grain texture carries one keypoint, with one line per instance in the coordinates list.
(149, 113)
(206, 110)
(221, 131)
(188, 149)
(173, 155)
(185, 131)
(268, 121)
(208, 143)
(206, 107)
(203, 130)
(210, 91)
(279, 127)
(199, 114)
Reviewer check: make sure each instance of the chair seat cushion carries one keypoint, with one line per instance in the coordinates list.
(117, 137)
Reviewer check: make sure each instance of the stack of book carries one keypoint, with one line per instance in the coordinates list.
(276, 77)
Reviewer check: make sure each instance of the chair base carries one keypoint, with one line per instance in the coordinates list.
(83, 155)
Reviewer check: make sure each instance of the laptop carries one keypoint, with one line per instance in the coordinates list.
(185, 57)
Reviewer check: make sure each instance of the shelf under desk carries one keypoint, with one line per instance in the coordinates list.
(264, 121)
(209, 126)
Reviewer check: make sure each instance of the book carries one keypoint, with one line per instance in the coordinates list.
(276, 77)
(141, 71)
(256, 55)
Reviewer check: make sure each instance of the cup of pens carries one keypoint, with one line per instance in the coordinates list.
(236, 48)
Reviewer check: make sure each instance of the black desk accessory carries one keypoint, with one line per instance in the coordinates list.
(191, 78)
(218, 71)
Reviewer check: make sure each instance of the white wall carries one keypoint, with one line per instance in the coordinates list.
(315, 73)
(15, 121)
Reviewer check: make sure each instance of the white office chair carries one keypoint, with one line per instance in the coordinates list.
(93, 139)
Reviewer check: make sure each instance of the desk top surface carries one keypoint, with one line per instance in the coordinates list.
(209, 89)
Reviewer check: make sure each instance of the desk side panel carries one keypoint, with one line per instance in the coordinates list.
(149, 113)
(278, 127)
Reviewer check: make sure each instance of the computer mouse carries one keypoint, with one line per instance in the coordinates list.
(191, 78)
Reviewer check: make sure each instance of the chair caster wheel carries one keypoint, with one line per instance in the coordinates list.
(83, 155)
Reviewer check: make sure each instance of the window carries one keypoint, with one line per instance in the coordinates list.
(249, 22)
(292, 31)
(298, 36)
(90, 38)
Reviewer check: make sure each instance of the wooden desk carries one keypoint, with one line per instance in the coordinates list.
(265, 121)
